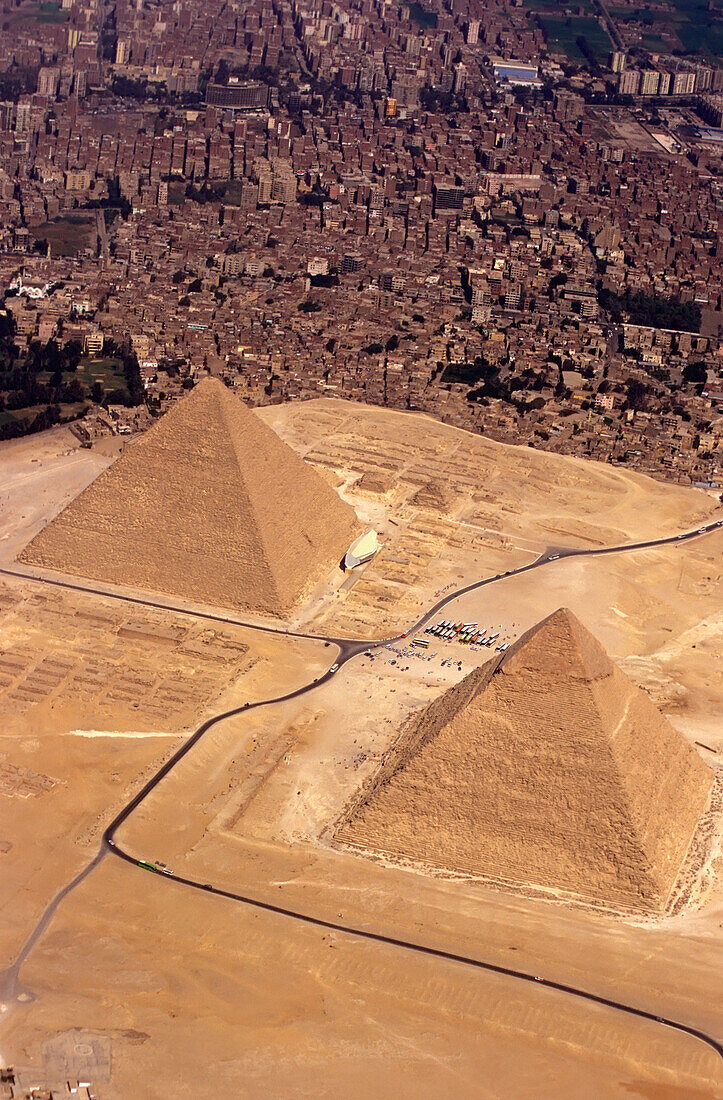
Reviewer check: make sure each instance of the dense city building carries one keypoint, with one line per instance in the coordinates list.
(431, 209)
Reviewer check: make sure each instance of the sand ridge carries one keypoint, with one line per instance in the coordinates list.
(209, 505)
(545, 766)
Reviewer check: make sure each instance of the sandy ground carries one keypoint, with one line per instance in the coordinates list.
(207, 999)
(40, 475)
(450, 506)
(177, 990)
(95, 696)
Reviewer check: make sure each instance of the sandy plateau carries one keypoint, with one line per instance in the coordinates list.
(148, 988)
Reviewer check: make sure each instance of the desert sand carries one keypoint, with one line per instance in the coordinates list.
(449, 505)
(142, 986)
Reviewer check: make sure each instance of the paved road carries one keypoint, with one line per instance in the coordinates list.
(10, 987)
(611, 26)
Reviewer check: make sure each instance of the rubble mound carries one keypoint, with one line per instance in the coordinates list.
(544, 767)
(374, 481)
(434, 496)
(209, 505)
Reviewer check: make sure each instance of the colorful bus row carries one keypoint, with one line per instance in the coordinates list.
(466, 633)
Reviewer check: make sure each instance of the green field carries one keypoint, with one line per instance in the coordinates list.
(697, 26)
(67, 236)
(655, 43)
(107, 371)
(705, 38)
(561, 35)
(52, 13)
(41, 13)
(67, 412)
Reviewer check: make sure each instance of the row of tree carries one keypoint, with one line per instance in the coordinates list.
(652, 310)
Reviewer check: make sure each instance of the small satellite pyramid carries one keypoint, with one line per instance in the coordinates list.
(209, 505)
(547, 767)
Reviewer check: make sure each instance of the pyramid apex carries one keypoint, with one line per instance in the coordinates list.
(210, 382)
(210, 385)
(559, 642)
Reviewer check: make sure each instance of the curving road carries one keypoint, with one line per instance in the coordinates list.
(10, 988)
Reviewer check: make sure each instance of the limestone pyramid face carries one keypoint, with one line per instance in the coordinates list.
(209, 505)
(545, 767)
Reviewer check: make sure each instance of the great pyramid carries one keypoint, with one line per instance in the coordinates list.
(208, 505)
(546, 766)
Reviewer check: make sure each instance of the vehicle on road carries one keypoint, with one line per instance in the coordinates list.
(147, 865)
(334, 667)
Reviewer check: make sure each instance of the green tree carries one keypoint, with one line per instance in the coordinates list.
(695, 372)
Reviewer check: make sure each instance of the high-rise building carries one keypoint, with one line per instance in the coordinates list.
(23, 115)
(265, 185)
(628, 82)
(683, 83)
(460, 79)
(283, 188)
(249, 194)
(472, 32)
(617, 61)
(513, 297)
(122, 51)
(317, 265)
(448, 198)
(703, 78)
(649, 82)
(351, 262)
(48, 80)
(568, 106)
